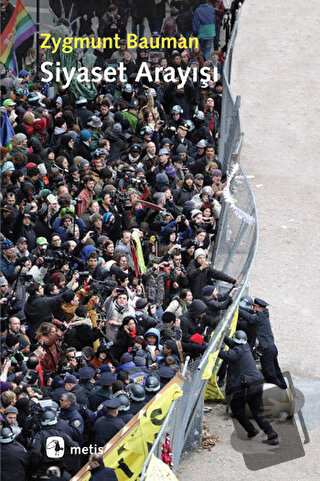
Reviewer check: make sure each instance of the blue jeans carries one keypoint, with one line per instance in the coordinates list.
(217, 37)
(135, 29)
(206, 47)
(159, 312)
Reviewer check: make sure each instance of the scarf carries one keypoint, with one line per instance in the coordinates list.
(80, 321)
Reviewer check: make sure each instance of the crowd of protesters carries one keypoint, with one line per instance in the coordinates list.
(109, 209)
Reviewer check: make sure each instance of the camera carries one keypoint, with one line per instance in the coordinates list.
(210, 199)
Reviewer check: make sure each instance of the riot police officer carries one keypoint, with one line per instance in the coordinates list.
(14, 457)
(244, 383)
(259, 317)
(41, 451)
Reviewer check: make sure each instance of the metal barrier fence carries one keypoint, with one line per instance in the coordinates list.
(233, 253)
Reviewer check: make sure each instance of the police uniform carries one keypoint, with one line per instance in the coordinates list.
(39, 460)
(107, 426)
(244, 383)
(75, 421)
(103, 392)
(14, 462)
(269, 362)
(85, 376)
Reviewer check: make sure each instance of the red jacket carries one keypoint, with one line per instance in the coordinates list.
(53, 351)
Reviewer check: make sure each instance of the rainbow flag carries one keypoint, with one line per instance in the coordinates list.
(19, 28)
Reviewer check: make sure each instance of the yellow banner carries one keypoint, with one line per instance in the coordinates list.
(213, 392)
(158, 471)
(128, 455)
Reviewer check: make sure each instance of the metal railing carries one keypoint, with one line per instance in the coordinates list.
(234, 253)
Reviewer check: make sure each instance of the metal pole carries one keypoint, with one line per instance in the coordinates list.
(37, 33)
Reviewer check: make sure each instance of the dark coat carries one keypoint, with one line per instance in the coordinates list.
(198, 278)
(81, 336)
(241, 367)
(14, 462)
(194, 325)
(105, 428)
(101, 473)
(97, 396)
(39, 309)
(75, 420)
(215, 305)
(261, 321)
(83, 150)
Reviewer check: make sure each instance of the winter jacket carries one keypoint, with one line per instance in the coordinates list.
(203, 23)
(215, 305)
(39, 309)
(241, 367)
(81, 333)
(185, 193)
(52, 356)
(155, 286)
(198, 278)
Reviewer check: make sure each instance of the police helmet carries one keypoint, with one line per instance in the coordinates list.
(176, 109)
(6, 435)
(152, 383)
(246, 301)
(190, 125)
(146, 130)
(202, 144)
(137, 393)
(127, 88)
(199, 115)
(125, 401)
(240, 337)
(49, 418)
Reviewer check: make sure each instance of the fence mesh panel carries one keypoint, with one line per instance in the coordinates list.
(233, 253)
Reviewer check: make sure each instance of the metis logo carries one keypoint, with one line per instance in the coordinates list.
(55, 447)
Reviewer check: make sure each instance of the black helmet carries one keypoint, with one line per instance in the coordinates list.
(176, 109)
(246, 301)
(6, 436)
(125, 401)
(152, 383)
(199, 115)
(49, 418)
(137, 393)
(240, 337)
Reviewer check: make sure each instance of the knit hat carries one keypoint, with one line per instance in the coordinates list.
(117, 129)
(11, 340)
(8, 166)
(141, 303)
(199, 252)
(85, 135)
(188, 176)
(197, 338)
(181, 148)
(162, 178)
(6, 244)
(59, 100)
(208, 290)
(195, 212)
(3, 281)
(11, 409)
(197, 307)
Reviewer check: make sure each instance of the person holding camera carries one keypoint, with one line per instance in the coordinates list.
(38, 307)
(200, 271)
(155, 279)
